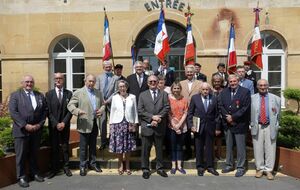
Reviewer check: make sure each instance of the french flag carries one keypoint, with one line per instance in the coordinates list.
(162, 47)
(256, 44)
(189, 55)
(107, 50)
(231, 64)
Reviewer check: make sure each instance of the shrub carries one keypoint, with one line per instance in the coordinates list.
(2, 154)
(293, 94)
(45, 136)
(6, 138)
(289, 133)
(5, 122)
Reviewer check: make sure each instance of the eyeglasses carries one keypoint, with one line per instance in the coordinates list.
(153, 81)
(58, 78)
(29, 81)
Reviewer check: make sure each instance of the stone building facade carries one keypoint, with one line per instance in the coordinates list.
(42, 37)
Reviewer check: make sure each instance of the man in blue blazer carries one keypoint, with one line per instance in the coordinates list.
(204, 107)
(28, 110)
(234, 104)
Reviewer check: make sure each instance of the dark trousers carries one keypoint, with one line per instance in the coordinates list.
(177, 141)
(147, 142)
(188, 142)
(57, 138)
(103, 129)
(87, 147)
(240, 140)
(27, 148)
(204, 144)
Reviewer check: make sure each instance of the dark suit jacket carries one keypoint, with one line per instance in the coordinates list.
(169, 77)
(147, 108)
(58, 112)
(201, 77)
(134, 87)
(238, 107)
(209, 119)
(22, 112)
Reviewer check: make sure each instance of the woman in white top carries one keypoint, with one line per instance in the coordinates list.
(123, 122)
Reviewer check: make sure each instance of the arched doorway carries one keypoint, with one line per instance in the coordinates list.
(67, 57)
(145, 43)
(274, 62)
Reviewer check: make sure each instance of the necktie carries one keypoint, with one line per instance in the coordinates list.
(232, 93)
(140, 80)
(59, 96)
(263, 115)
(29, 98)
(206, 103)
(105, 89)
(154, 94)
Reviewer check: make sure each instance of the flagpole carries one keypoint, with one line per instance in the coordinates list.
(112, 54)
(188, 16)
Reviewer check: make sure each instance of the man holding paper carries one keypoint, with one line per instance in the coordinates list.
(202, 121)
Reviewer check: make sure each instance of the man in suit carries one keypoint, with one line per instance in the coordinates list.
(59, 124)
(28, 111)
(234, 104)
(137, 81)
(265, 115)
(165, 71)
(147, 68)
(88, 105)
(198, 75)
(106, 83)
(153, 108)
(204, 106)
(222, 72)
(190, 87)
(250, 75)
(240, 70)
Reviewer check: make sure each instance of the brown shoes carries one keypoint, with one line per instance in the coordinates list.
(270, 176)
(259, 173)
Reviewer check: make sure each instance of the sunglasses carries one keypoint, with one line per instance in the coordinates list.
(153, 81)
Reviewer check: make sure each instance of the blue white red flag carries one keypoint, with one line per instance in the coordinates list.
(231, 64)
(107, 50)
(189, 55)
(162, 47)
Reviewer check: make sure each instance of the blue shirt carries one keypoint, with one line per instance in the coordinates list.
(92, 97)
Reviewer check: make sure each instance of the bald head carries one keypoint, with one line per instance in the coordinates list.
(90, 81)
(27, 82)
(205, 89)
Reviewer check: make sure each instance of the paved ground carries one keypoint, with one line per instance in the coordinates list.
(109, 180)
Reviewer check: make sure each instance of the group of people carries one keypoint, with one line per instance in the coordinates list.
(158, 107)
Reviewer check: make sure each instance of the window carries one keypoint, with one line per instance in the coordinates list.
(273, 63)
(177, 39)
(68, 58)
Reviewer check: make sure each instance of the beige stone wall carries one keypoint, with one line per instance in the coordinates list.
(26, 36)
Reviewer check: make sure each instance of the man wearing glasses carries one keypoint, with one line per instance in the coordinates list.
(59, 124)
(27, 108)
(153, 108)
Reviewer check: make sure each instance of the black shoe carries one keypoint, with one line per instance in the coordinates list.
(200, 171)
(213, 171)
(23, 183)
(227, 170)
(38, 178)
(146, 174)
(51, 174)
(239, 173)
(68, 172)
(82, 171)
(162, 173)
(95, 168)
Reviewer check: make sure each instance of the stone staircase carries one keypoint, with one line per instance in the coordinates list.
(108, 160)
